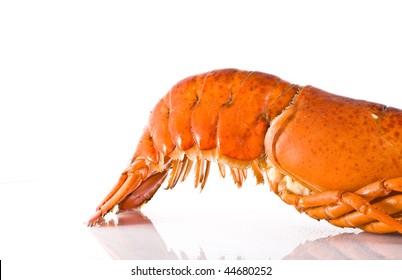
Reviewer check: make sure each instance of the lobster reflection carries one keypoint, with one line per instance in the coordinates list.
(137, 238)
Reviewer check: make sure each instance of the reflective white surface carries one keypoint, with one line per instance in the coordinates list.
(79, 78)
(46, 220)
(138, 238)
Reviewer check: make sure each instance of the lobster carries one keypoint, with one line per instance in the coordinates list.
(331, 157)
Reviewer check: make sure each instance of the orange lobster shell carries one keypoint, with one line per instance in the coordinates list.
(332, 157)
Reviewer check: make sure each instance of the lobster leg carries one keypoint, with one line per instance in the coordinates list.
(339, 207)
(389, 205)
(378, 227)
(363, 206)
(372, 191)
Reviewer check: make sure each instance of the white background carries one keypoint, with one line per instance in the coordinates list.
(79, 78)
